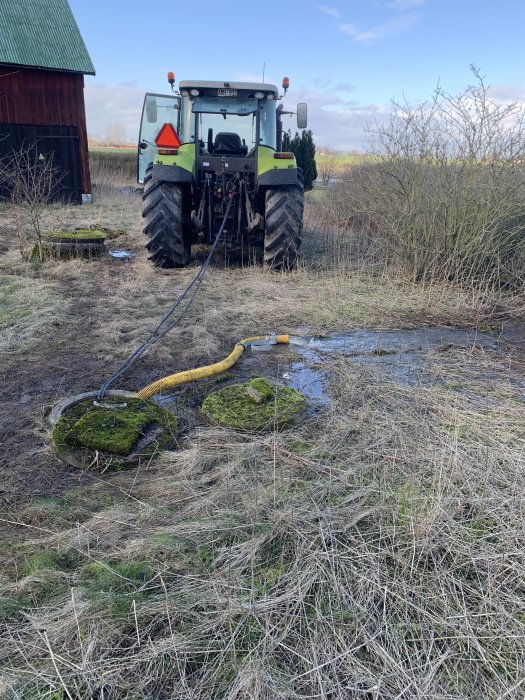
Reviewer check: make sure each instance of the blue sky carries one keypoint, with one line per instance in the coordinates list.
(346, 58)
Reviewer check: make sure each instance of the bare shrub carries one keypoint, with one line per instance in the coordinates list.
(326, 163)
(33, 184)
(445, 198)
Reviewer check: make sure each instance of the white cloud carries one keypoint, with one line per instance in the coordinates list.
(507, 93)
(330, 11)
(396, 25)
(107, 105)
(335, 122)
(350, 29)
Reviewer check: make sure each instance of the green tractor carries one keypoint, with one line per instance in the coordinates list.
(210, 158)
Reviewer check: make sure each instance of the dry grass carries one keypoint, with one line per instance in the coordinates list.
(111, 172)
(28, 308)
(374, 552)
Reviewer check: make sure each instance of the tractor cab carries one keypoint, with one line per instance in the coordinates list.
(218, 118)
(230, 120)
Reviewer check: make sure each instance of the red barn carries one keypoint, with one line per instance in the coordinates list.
(43, 60)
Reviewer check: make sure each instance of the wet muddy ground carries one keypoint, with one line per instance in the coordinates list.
(35, 379)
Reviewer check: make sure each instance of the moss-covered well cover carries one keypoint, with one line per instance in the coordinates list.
(80, 235)
(254, 406)
(115, 434)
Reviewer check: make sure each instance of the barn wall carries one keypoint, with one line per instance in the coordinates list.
(46, 98)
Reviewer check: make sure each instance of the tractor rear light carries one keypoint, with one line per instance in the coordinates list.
(167, 137)
(283, 156)
(168, 151)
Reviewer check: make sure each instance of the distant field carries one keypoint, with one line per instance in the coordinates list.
(333, 165)
(107, 163)
(113, 166)
(344, 159)
(341, 159)
(318, 192)
(113, 149)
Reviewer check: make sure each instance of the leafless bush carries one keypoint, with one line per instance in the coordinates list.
(33, 184)
(326, 164)
(445, 196)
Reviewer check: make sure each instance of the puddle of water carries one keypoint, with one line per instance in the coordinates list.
(122, 254)
(402, 356)
(309, 381)
(285, 364)
(399, 341)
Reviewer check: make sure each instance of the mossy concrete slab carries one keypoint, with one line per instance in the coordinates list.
(69, 244)
(116, 433)
(255, 406)
(81, 235)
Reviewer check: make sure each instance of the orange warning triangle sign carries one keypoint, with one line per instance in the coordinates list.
(167, 137)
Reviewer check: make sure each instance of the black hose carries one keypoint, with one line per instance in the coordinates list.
(159, 332)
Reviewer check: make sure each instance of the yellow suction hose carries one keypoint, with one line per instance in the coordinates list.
(210, 370)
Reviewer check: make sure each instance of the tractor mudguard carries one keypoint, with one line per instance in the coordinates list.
(171, 173)
(274, 178)
(272, 171)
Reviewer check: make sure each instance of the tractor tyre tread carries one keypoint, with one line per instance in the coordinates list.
(284, 207)
(162, 212)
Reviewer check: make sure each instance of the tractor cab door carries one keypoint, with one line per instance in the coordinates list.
(157, 111)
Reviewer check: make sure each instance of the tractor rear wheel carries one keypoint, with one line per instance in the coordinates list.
(284, 208)
(162, 212)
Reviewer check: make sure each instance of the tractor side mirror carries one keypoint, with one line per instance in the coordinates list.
(151, 110)
(302, 115)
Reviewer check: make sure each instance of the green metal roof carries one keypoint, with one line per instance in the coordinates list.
(42, 34)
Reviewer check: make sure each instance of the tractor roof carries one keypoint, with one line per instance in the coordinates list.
(219, 85)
